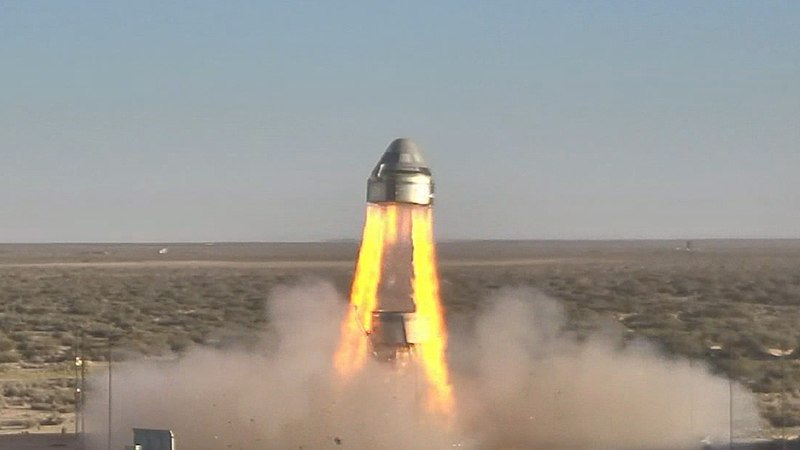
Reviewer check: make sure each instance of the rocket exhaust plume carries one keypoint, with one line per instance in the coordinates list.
(395, 311)
(522, 379)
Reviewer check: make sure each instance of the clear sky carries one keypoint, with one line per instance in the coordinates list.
(240, 121)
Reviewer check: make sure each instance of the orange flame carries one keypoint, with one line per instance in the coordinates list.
(353, 348)
(380, 234)
(430, 314)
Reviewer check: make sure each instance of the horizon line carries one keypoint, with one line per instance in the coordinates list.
(443, 240)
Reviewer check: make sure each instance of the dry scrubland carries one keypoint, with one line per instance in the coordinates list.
(743, 296)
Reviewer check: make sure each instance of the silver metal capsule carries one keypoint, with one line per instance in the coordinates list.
(401, 176)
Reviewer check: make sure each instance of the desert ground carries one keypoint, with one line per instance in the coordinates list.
(731, 304)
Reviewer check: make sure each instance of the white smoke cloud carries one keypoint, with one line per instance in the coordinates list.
(536, 387)
(519, 382)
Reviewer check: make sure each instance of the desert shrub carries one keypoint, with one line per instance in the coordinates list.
(66, 339)
(81, 307)
(645, 321)
(237, 314)
(765, 383)
(15, 389)
(683, 344)
(100, 330)
(39, 349)
(19, 337)
(22, 424)
(179, 343)
(9, 356)
(40, 394)
(6, 344)
(628, 287)
(38, 310)
(780, 414)
(63, 396)
(25, 347)
(43, 406)
(52, 419)
(65, 383)
(156, 343)
(56, 324)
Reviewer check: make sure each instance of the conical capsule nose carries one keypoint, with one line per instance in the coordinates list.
(404, 152)
(401, 176)
(401, 155)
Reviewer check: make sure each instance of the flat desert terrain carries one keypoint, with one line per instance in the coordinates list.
(731, 304)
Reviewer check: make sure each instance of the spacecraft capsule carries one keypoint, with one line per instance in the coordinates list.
(401, 176)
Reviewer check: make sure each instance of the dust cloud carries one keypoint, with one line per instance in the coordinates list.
(520, 382)
(531, 385)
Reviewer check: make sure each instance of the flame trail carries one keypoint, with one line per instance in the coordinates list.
(387, 229)
(429, 313)
(353, 348)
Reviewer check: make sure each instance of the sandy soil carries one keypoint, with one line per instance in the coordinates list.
(656, 288)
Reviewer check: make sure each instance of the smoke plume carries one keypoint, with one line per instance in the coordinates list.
(530, 385)
(520, 382)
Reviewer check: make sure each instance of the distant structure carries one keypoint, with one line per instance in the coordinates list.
(147, 439)
(688, 247)
(163, 251)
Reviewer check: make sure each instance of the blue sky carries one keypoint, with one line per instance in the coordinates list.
(220, 121)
